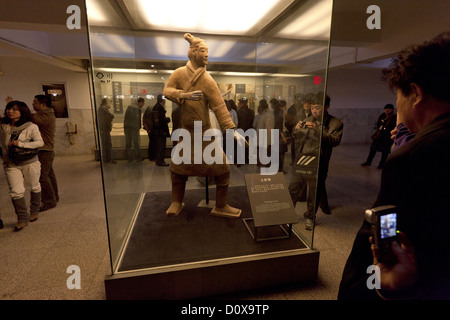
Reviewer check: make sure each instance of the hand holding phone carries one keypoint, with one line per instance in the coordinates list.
(384, 231)
(403, 274)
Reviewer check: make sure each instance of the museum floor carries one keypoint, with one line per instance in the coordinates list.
(34, 261)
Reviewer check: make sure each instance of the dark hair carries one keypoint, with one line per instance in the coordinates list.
(276, 105)
(274, 101)
(227, 104)
(105, 101)
(25, 113)
(160, 98)
(308, 98)
(262, 105)
(389, 106)
(233, 104)
(319, 98)
(427, 65)
(44, 99)
(141, 100)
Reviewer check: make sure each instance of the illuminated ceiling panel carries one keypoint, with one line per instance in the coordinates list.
(102, 14)
(286, 52)
(309, 22)
(112, 45)
(231, 17)
(237, 31)
(96, 13)
(178, 47)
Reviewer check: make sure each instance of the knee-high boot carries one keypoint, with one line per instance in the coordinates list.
(23, 217)
(178, 190)
(221, 196)
(35, 204)
(178, 187)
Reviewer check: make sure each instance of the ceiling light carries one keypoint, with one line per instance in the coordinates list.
(216, 73)
(206, 16)
(239, 74)
(167, 46)
(125, 70)
(288, 75)
(107, 44)
(96, 13)
(312, 21)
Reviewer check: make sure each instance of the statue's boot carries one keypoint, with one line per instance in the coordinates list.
(178, 189)
(222, 209)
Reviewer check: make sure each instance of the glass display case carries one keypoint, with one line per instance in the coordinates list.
(257, 50)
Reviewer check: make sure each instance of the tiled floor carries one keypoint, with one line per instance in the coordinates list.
(34, 261)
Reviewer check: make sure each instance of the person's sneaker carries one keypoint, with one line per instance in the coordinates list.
(1, 224)
(20, 225)
(309, 224)
(365, 164)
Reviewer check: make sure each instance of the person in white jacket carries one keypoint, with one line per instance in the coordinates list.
(17, 130)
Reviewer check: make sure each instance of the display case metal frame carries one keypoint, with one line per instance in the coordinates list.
(216, 276)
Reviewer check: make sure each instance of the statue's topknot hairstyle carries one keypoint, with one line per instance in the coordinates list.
(193, 41)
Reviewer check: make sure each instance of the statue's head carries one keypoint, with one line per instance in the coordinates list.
(198, 50)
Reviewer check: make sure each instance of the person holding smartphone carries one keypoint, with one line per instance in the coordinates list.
(416, 180)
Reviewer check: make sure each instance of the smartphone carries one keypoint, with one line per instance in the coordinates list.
(384, 221)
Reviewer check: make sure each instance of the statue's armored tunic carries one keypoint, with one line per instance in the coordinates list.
(187, 79)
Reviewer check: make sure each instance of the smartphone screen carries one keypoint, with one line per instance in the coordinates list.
(388, 226)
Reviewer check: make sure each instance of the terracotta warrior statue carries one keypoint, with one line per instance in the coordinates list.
(195, 91)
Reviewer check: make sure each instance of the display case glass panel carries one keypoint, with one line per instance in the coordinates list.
(281, 53)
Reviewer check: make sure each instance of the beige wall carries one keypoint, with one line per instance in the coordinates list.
(22, 78)
(358, 96)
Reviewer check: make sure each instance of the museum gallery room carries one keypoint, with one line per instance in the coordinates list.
(236, 232)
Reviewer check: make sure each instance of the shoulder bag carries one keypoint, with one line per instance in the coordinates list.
(19, 154)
